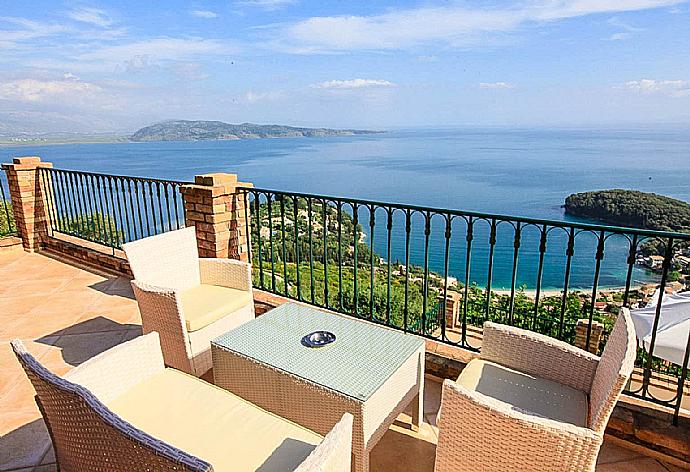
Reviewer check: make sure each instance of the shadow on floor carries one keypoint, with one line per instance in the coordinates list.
(25, 446)
(82, 341)
(118, 287)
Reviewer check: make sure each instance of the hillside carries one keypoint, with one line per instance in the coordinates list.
(184, 130)
(631, 208)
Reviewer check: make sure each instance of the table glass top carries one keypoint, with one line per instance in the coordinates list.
(362, 357)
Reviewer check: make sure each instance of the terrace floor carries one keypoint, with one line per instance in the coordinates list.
(67, 315)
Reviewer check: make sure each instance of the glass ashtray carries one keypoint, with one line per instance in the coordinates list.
(318, 339)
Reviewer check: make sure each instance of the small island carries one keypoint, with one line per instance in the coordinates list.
(631, 208)
(185, 130)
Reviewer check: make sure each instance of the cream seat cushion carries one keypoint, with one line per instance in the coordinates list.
(205, 304)
(213, 424)
(542, 397)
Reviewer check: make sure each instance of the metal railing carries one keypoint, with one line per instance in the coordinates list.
(389, 263)
(8, 227)
(110, 209)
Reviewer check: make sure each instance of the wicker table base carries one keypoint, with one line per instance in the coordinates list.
(313, 405)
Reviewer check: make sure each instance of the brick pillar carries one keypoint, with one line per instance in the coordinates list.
(28, 200)
(452, 308)
(216, 209)
(595, 336)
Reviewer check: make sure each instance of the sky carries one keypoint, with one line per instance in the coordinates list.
(114, 66)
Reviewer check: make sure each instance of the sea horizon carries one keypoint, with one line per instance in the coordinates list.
(509, 171)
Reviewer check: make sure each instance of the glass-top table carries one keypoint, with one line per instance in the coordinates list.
(362, 357)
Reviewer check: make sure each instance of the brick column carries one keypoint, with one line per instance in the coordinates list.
(595, 336)
(28, 200)
(452, 308)
(216, 209)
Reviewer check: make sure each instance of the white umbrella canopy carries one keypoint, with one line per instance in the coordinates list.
(673, 328)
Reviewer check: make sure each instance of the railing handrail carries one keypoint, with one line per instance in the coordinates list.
(481, 215)
(118, 176)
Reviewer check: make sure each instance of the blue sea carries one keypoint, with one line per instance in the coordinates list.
(520, 172)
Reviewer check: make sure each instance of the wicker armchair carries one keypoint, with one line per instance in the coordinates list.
(187, 300)
(123, 410)
(532, 403)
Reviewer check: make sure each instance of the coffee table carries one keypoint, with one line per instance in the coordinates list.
(370, 371)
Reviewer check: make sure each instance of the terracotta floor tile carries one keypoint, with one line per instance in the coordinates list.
(614, 453)
(635, 465)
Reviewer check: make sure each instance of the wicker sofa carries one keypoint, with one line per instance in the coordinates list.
(532, 403)
(123, 410)
(186, 299)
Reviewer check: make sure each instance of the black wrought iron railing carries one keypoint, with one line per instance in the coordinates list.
(8, 226)
(110, 209)
(392, 263)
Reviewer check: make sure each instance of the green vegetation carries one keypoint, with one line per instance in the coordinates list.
(184, 130)
(95, 227)
(631, 208)
(291, 255)
(7, 225)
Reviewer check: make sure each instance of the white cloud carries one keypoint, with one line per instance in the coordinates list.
(32, 90)
(496, 85)
(92, 16)
(26, 30)
(673, 88)
(452, 25)
(353, 84)
(204, 14)
(253, 97)
(265, 4)
(158, 49)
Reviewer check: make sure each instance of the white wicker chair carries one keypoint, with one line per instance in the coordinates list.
(124, 411)
(532, 403)
(187, 300)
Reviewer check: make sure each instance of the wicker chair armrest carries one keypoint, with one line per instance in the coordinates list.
(229, 273)
(113, 372)
(334, 454)
(480, 433)
(539, 355)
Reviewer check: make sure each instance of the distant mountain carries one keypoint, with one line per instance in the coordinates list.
(184, 130)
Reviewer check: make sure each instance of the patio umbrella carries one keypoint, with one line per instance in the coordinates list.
(673, 328)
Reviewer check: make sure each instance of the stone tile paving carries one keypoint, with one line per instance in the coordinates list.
(66, 315)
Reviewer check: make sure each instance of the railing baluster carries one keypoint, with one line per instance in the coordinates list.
(513, 279)
(324, 222)
(340, 253)
(389, 229)
(167, 208)
(284, 246)
(446, 257)
(468, 261)
(115, 243)
(372, 224)
(408, 228)
(570, 251)
(177, 216)
(631, 263)
(355, 263)
(257, 217)
(311, 251)
(247, 230)
(540, 272)
(492, 244)
(595, 285)
(681, 382)
(425, 287)
(270, 240)
(153, 208)
(146, 208)
(121, 195)
(295, 215)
